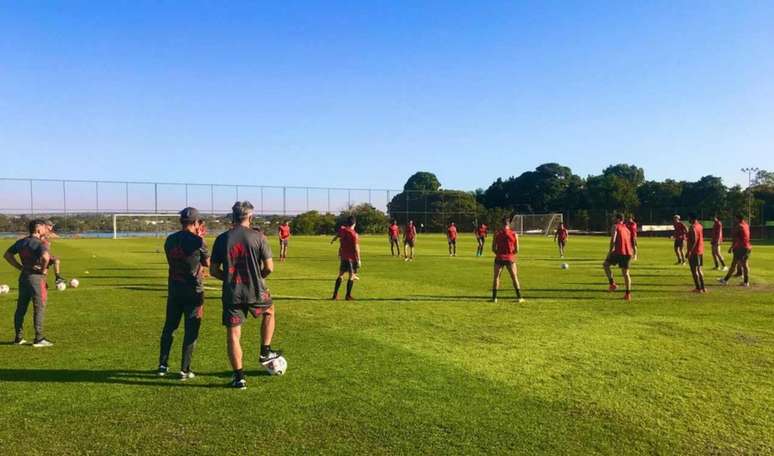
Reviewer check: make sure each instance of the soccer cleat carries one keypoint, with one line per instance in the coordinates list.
(521, 300)
(697, 290)
(186, 375)
(19, 341)
(703, 290)
(335, 297)
(494, 300)
(612, 287)
(723, 281)
(162, 371)
(264, 360)
(746, 285)
(725, 269)
(42, 343)
(349, 298)
(238, 383)
(627, 296)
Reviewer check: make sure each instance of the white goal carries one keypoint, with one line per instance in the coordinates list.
(545, 224)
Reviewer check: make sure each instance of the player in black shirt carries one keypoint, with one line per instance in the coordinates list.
(34, 256)
(241, 258)
(187, 256)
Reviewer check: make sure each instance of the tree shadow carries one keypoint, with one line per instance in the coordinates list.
(117, 376)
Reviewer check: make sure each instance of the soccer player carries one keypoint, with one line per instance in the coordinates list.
(284, 236)
(696, 252)
(451, 236)
(241, 258)
(393, 235)
(679, 234)
(55, 262)
(409, 241)
(481, 232)
(632, 225)
(187, 256)
(505, 248)
(620, 255)
(717, 239)
(34, 256)
(349, 255)
(741, 248)
(560, 237)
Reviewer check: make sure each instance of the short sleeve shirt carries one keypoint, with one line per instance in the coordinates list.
(394, 231)
(717, 232)
(30, 251)
(696, 239)
(186, 255)
(284, 231)
(505, 244)
(623, 240)
(452, 232)
(348, 240)
(242, 252)
(742, 236)
(680, 231)
(411, 231)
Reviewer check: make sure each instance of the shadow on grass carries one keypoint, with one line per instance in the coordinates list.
(120, 377)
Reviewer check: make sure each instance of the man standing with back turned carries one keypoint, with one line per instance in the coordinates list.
(187, 257)
(241, 258)
(35, 258)
(620, 254)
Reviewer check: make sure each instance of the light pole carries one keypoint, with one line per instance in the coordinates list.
(749, 172)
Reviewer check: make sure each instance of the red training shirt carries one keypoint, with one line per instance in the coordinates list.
(394, 231)
(562, 233)
(451, 233)
(742, 236)
(348, 239)
(505, 244)
(696, 239)
(411, 231)
(284, 231)
(482, 230)
(623, 240)
(717, 232)
(680, 231)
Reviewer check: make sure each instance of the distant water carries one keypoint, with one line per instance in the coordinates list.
(100, 234)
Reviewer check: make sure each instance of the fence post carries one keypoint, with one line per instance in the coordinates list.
(126, 189)
(96, 195)
(64, 203)
(212, 200)
(284, 200)
(32, 200)
(262, 213)
(349, 198)
(156, 198)
(329, 201)
(307, 199)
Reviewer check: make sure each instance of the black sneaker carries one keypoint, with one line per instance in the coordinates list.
(163, 370)
(238, 383)
(271, 356)
(19, 341)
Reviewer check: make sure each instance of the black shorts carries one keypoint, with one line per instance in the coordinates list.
(696, 261)
(394, 240)
(679, 243)
(236, 314)
(616, 259)
(742, 254)
(503, 262)
(283, 242)
(348, 266)
(453, 241)
(409, 242)
(481, 239)
(561, 242)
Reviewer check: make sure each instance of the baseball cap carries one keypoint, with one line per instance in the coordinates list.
(190, 215)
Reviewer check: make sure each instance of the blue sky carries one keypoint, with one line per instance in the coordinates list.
(365, 93)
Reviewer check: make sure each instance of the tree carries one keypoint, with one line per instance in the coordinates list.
(706, 196)
(422, 181)
(369, 219)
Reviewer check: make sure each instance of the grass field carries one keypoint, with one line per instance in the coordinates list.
(420, 363)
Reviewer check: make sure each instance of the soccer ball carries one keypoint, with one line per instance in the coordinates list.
(74, 283)
(565, 266)
(277, 366)
(4, 289)
(61, 286)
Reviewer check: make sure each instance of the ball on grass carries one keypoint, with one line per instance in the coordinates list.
(564, 266)
(4, 289)
(61, 286)
(74, 283)
(278, 366)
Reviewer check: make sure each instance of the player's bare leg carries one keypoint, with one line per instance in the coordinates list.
(267, 329)
(515, 281)
(496, 281)
(609, 275)
(628, 283)
(746, 273)
(233, 336)
(734, 267)
(350, 283)
(561, 250)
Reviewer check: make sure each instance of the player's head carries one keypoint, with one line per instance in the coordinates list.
(676, 217)
(351, 221)
(717, 218)
(739, 217)
(394, 222)
(506, 221)
(37, 226)
(630, 218)
(692, 217)
(451, 223)
(241, 213)
(49, 225)
(190, 216)
(286, 222)
(619, 217)
(411, 222)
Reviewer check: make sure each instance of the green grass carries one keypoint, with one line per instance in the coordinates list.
(421, 363)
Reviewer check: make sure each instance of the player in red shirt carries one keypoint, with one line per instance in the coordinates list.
(717, 239)
(451, 236)
(560, 237)
(409, 240)
(393, 233)
(284, 237)
(696, 252)
(679, 235)
(481, 232)
(620, 254)
(632, 225)
(505, 248)
(349, 254)
(741, 247)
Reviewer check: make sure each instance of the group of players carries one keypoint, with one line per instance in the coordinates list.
(242, 259)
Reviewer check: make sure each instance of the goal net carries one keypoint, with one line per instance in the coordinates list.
(545, 224)
(140, 225)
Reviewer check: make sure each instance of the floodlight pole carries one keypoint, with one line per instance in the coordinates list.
(749, 171)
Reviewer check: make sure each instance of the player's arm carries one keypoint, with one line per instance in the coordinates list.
(10, 257)
(216, 270)
(516, 246)
(335, 237)
(357, 253)
(45, 260)
(613, 238)
(267, 267)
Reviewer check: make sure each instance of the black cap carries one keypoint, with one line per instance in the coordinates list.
(189, 215)
(49, 222)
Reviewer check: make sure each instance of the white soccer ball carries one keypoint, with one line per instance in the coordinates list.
(278, 366)
(4, 289)
(565, 266)
(74, 283)
(61, 286)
